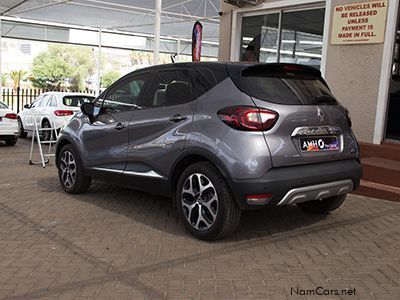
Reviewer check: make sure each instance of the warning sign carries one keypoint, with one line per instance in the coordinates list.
(359, 23)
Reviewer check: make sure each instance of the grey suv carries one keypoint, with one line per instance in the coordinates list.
(218, 138)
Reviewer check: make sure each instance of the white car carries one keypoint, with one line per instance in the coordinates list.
(51, 110)
(8, 125)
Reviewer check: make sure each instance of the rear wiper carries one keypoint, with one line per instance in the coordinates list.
(324, 99)
(137, 106)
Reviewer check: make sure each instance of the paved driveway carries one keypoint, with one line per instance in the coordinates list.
(116, 243)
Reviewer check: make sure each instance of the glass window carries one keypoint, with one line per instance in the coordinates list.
(53, 101)
(205, 80)
(44, 102)
(125, 95)
(301, 34)
(3, 106)
(172, 87)
(37, 102)
(287, 88)
(260, 38)
(76, 101)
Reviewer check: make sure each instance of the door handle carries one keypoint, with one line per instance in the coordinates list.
(120, 126)
(177, 118)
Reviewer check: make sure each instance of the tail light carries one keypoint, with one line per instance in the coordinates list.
(248, 118)
(258, 199)
(11, 116)
(63, 113)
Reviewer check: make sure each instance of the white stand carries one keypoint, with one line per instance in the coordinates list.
(36, 136)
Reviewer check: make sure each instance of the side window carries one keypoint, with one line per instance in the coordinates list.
(205, 80)
(171, 87)
(125, 95)
(44, 101)
(37, 102)
(98, 103)
(53, 101)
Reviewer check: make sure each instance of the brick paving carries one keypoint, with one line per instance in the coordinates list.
(116, 243)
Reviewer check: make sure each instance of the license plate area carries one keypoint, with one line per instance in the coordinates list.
(319, 144)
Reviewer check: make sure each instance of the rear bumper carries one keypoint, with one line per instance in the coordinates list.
(301, 183)
(9, 130)
(7, 136)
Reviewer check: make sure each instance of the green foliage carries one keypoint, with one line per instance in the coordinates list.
(4, 78)
(62, 64)
(109, 78)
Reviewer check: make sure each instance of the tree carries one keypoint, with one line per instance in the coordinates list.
(4, 78)
(63, 66)
(109, 78)
(17, 76)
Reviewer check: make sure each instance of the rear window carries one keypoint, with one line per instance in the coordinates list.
(306, 91)
(283, 84)
(76, 101)
(3, 106)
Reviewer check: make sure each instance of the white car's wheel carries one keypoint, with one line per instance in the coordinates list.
(22, 133)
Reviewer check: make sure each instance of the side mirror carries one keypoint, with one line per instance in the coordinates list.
(88, 109)
(27, 106)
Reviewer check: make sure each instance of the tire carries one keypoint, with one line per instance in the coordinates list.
(46, 135)
(11, 141)
(219, 212)
(22, 133)
(70, 171)
(322, 207)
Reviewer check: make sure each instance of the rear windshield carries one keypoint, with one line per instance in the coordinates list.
(3, 106)
(76, 101)
(295, 90)
(288, 84)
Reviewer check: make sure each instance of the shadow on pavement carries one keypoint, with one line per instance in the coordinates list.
(157, 212)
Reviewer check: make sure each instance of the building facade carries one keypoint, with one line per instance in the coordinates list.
(354, 43)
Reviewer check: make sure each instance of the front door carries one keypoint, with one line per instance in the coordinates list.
(106, 137)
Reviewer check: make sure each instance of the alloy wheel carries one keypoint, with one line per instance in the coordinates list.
(68, 169)
(199, 201)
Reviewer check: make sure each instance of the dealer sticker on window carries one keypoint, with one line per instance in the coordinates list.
(315, 144)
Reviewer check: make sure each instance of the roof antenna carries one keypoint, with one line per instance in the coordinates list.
(173, 56)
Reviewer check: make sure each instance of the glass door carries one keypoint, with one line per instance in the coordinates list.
(260, 37)
(302, 34)
(284, 36)
(393, 119)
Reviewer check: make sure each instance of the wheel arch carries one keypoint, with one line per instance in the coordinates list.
(44, 120)
(191, 156)
(60, 144)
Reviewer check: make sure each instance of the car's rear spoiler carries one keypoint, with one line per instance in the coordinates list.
(238, 71)
(278, 68)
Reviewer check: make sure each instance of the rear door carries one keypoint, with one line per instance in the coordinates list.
(46, 111)
(312, 127)
(157, 132)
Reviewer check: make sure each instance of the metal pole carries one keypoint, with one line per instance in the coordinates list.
(18, 92)
(99, 64)
(157, 32)
(178, 50)
(278, 52)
